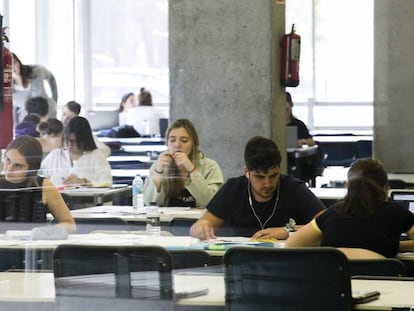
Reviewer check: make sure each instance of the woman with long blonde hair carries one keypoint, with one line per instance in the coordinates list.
(182, 175)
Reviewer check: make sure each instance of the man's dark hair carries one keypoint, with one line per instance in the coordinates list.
(74, 106)
(37, 105)
(261, 154)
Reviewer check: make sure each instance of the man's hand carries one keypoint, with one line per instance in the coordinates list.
(203, 230)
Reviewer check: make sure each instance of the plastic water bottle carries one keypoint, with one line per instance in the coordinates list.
(153, 220)
(137, 193)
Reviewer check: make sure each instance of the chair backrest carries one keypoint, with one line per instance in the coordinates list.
(27, 259)
(190, 258)
(116, 264)
(364, 148)
(86, 225)
(287, 279)
(337, 153)
(180, 226)
(377, 267)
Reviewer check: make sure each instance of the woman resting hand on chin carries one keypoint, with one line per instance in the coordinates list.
(21, 165)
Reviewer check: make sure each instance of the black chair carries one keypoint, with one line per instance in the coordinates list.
(190, 258)
(287, 279)
(337, 153)
(364, 149)
(397, 184)
(113, 271)
(180, 226)
(377, 267)
(88, 224)
(27, 259)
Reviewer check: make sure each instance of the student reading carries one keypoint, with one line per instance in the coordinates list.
(364, 224)
(21, 164)
(260, 202)
(79, 161)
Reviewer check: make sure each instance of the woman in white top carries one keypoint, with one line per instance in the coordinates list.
(81, 162)
(128, 102)
(145, 118)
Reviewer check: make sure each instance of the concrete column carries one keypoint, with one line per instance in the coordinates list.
(393, 84)
(224, 74)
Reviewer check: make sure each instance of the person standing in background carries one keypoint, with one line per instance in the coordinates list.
(29, 81)
(304, 137)
(128, 102)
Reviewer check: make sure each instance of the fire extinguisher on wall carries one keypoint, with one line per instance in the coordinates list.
(290, 59)
(6, 92)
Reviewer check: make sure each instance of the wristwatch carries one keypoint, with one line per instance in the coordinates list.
(291, 225)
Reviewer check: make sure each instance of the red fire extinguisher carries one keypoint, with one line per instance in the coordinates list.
(290, 59)
(6, 93)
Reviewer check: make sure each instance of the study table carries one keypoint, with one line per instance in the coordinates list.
(78, 197)
(143, 148)
(144, 159)
(134, 140)
(406, 177)
(127, 213)
(393, 293)
(38, 254)
(40, 287)
(121, 176)
(342, 138)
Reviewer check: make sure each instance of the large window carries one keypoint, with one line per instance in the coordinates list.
(98, 49)
(336, 65)
(102, 49)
